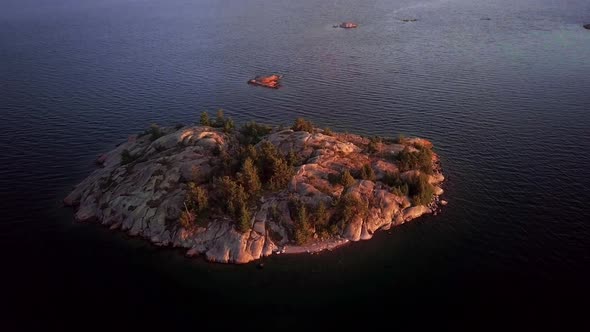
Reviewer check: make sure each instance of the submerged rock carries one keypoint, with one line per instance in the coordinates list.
(143, 187)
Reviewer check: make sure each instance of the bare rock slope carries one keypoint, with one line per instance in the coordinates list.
(339, 188)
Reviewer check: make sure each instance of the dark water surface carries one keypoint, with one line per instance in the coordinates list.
(506, 102)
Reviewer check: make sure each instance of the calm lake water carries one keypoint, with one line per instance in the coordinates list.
(501, 87)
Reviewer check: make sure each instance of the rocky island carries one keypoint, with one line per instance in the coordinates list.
(271, 81)
(347, 25)
(236, 195)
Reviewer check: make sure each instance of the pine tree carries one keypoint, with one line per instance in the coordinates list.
(244, 223)
(205, 119)
(220, 120)
(346, 179)
(249, 177)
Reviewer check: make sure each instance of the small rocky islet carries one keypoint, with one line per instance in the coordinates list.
(236, 195)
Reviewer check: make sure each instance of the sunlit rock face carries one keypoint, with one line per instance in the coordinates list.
(141, 188)
(348, 25)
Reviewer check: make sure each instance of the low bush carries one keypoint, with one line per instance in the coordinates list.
(127, 157)
(155, 132)
(392, 179)
(346, 179)
(400, 190)
(252, 132)
(373, 145)
(187, 219)
(400, 139)
(302, 125)
(367, 173)
(197, 198)
(347, 208)
(420, 160)
(420, 189)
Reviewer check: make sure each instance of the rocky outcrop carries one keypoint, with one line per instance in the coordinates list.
(271, 81)
(142, 185)
(347, 25)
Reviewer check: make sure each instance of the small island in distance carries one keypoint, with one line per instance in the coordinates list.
(236, 195)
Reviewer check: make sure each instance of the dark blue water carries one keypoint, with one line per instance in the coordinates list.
(506, 102)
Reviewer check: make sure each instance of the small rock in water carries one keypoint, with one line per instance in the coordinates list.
(260, 266)
(587, 26)
(443, 202)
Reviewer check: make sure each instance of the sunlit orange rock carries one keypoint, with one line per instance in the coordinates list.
(272, 81)
(348, 25)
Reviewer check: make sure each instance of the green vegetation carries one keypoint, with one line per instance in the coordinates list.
(347, 207)
(420, 189)
(197, 198)
(275, 169)
(392, 179)
(302, 125)
(187, 219)
(367, 173)
(281, 175)
(373, 145)
(232, 200)
(401, 190)
(127, 157)
(245, 219)
(155, 132)
(232, 196)
(303, 228)
(346, 179)
(196, 204)
(322, 222)
(220, 119)
(252, 132)
(328, 131)
(249, 177)
(400, 139)
(293, 159)
(204, 121)
(420, 160)
(249, 168)
(228, 125)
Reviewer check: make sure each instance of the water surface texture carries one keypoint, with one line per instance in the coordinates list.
(501, 87)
